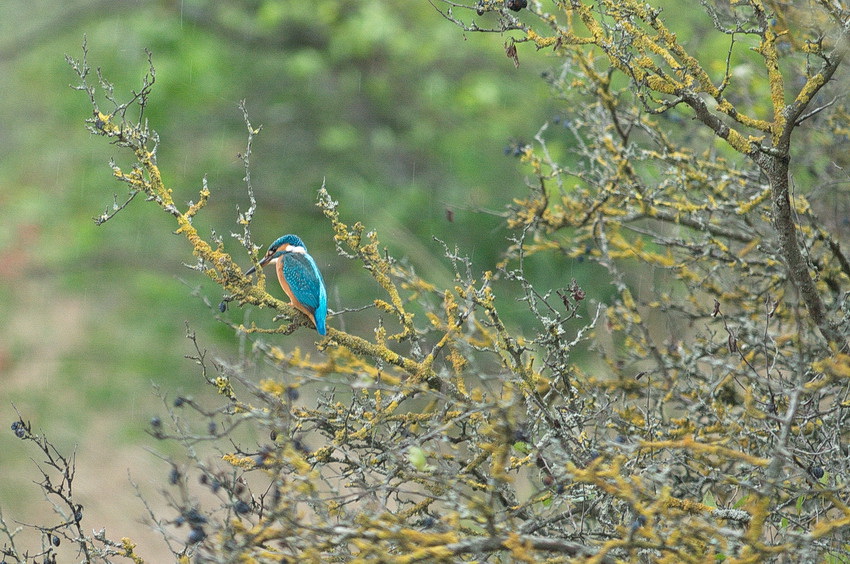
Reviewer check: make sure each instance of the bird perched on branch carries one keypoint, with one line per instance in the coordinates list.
(299, 277)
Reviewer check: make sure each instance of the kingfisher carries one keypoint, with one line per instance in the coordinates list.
(299, 277)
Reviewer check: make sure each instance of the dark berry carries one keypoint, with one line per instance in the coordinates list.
(299, 445)
(194, 517)
(197, 535)
(639, 522)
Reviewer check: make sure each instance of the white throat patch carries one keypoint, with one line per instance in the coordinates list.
(294, 249)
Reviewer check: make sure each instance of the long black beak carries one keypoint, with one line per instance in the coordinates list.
(261, 264)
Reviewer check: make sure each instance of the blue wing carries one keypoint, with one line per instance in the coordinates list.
(305, 282)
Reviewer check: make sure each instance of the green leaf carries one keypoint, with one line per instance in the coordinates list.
(416, 457)
(522, 447)
(799, 504)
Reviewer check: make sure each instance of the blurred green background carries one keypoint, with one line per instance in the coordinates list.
(406, 118)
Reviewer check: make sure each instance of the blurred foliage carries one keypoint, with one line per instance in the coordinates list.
(403, 117)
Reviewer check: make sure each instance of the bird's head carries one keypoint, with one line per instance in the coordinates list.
(281, 246)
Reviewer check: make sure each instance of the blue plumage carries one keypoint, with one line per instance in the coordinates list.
(299, 277)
